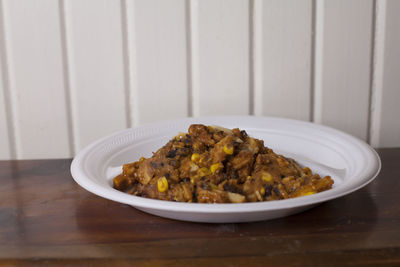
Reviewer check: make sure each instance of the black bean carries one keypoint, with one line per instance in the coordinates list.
(185, 180)
(187, 139)
(167, 175)
(276, 191)
(162, 164)
(244, 134)
(204, 186)
(268, 190)
(171, 153)
(183, 151)
(230, 188)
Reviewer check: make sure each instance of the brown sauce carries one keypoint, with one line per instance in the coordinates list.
(211, 164)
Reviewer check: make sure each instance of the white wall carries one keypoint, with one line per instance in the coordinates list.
(75, 70)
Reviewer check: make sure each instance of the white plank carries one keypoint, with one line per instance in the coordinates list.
(36, 82)
(385, 125)
(282, 57)
(157, 52)
(220, 56)
(95, 65)
(343, 63)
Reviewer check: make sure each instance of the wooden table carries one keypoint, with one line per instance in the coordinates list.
(47, 219)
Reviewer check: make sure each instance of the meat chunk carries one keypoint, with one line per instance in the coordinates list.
(213, 164)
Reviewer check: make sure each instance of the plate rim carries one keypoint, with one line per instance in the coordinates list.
(226, 208)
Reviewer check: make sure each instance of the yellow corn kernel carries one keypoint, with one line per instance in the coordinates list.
(195, 157)
(308, 193)
(266, 177)
(228, 149)
(210, 128)
(162, 184)
(258, 195)
(262, 190)
(248, 177)
(215, 167)
(142, 158)
(204, 171)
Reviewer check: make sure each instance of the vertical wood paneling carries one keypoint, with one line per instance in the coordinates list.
(385, 125)
(282, 56)
(114, 64)
(32, 33)
(343, 64)
(220, 58)
(157, 49)
(96, 70)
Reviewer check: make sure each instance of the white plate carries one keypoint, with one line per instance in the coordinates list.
(349, 161)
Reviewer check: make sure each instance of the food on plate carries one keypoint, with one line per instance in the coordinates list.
(212, 164)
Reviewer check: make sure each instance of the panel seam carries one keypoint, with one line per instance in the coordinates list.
(251, 57)
(10, 116)
(377, 73)
(318, 44)
(257, 57)
(312, 60)
(194, 57)
(126, 63)
(371, 69)
(66, 77)
(188, 20)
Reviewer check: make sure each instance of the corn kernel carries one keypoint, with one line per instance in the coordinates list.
(262, 190)
(308, 193)
(142, 158)
(162, 184)
(215, 167)
(204, 171)
(228, 149)
(266, 177)
(195, 157)
(259, 197)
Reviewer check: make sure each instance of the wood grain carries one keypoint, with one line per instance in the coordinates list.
(47, 219)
